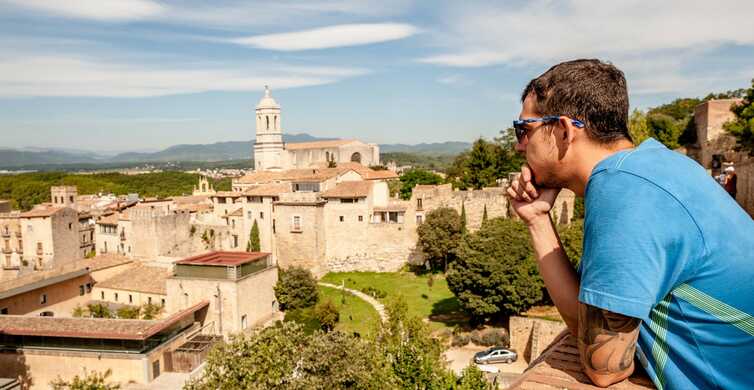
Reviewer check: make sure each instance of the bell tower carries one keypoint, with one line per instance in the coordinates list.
(268, 147)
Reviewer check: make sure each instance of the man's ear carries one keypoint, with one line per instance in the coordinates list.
(569, 130)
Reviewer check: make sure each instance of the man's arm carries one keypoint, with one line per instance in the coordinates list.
(607, 343)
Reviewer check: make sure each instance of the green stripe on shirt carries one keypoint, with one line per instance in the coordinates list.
(719, 309)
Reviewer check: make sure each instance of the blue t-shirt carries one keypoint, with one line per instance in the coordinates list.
(663, 242)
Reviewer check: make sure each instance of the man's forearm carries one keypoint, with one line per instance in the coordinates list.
(560, 278)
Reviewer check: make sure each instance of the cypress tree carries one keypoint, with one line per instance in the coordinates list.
(484, 214)
(463, 218)
(253, 245)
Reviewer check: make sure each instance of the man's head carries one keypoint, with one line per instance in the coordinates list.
(589, 91)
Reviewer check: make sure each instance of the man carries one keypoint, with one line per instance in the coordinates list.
(730, 181)
(666, 273)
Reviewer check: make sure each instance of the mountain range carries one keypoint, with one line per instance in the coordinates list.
(220, 151)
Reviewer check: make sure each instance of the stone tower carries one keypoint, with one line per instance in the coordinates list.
(269, 147)
(64, 196)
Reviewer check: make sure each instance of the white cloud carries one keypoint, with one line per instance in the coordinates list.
(75, 76)
(103, 10)
(543, 31)
(331, 36)
(454, 79)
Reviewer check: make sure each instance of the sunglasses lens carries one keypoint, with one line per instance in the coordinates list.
(520, 131)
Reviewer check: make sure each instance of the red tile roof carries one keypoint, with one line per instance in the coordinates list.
(268, 189)
(91, 328)
(349, 189)
(559, 367)
(222, 258)
(42, 212)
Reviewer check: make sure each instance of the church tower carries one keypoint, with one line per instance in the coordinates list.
(269, 147)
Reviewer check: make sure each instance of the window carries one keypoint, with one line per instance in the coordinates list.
(296, 223)
(418, 203)
(88, 287)
(243, 322)
(155, 369)
(249, 215)
(4, 311)
(235, 241)
(261, 215)
(130, 298)
(43, 299)
(348, 200)
(233, 222)
(102, 294)
(149, 300)
(305, 187)
(81, 289)
(419, 219)
(341, 218)
(116, 297)
(273, 226)
(221, 200)
(70, 226)
(392, 217)
(361, 218)
(47, 314)
(70, 198)
(356, 157)
(163, 301)
(39, 248)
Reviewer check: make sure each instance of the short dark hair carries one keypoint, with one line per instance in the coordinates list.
(589, 90)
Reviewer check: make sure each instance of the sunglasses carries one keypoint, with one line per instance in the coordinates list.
(519, 125)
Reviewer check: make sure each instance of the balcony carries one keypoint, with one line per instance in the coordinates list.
(5, 233)
(7, 250)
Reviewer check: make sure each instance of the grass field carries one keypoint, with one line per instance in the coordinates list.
(436, 303)
(356, 315)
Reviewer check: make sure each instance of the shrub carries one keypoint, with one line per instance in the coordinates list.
(128, 312)
(327, 315)
(91, 381)
(460, 340)
(296, 288)
(374, 292)
(472, 378)
(439, 235)
(150, 311)
(99, 310)
(495, 337)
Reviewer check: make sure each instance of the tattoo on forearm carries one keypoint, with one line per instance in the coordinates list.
(607, 341)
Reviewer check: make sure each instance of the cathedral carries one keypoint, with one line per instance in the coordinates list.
(272, 154)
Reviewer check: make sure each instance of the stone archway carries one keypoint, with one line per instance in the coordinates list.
(356, 157)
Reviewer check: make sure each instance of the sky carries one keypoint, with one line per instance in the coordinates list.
(123, 75)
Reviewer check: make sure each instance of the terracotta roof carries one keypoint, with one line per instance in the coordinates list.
(318, 144)
(143, 278)
(195, 207)
(59, 274)
(92, 328)
(42, 212)
(109, 219)
(349, 189)
(231, 194)
(260, 177)
(268, 189)
(559, 367)
(393, 206)
(222, 258)
(192, 199)
(379, 175)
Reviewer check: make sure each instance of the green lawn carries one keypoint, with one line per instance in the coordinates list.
(356, 315)
(436, 303)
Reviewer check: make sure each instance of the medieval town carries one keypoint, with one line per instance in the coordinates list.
(375, 195)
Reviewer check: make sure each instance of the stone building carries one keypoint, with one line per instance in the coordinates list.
(136, 286)
(272, 154)
(12, 244)
(237, 285)
(50, 236)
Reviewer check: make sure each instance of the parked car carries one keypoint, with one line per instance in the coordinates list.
(495, 355)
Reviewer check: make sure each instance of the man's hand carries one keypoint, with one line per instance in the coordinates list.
(607, 343)
(530, 203)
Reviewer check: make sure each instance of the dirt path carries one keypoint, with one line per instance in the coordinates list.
(375, 303)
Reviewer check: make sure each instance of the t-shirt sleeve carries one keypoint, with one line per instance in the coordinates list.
(639, 241)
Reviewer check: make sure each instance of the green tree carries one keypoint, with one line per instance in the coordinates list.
(482, 166)
(296, 289)
(742, 127)
(472, 378)
(637, 127)
(572, 238)
(327, 314)
(495, 272)
(99, 310)
(463, 218)
(509, 160)
(665, 129)
(484, 215)
(150, 311)
(253, 245)
(415, 356)
(439, 236)
(129, 312)
(90, 381)
(412, 177)
(79, 311)
(285, 357)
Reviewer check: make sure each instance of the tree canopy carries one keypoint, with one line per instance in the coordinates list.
(414, 176)
(486, 162)
(494, 272)
(253, 245)
(296, 289)
(439, 235)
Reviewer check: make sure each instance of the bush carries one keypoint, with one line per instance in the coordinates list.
(91, 381)
(99, 310)
(129, 312)
(296, 289)
(494, 338)
(374, 292)
(327, 314)
(439, 235)
(472, 378)
(150, 311)
(460, 340)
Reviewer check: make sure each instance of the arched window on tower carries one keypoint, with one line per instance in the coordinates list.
(267, 117)
(276, 122)
(327, 156)
(356, 157)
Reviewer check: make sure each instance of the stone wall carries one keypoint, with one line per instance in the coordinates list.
(157, 232)
(427, 198)
(530, 336)
(305, 247)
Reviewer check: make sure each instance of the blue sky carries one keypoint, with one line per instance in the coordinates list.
(115, 75)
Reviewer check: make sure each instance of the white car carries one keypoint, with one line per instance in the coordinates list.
(495, 355)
